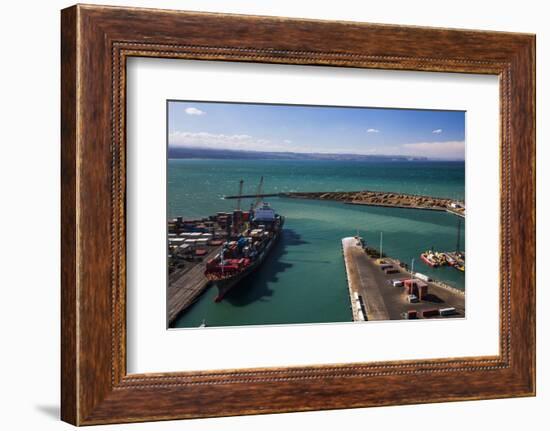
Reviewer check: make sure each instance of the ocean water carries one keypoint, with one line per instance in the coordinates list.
(303, 279)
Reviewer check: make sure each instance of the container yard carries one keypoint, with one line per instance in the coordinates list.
(381, 288)
(191, 244)
(222, 249)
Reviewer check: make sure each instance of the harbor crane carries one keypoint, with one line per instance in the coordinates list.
(237, 214)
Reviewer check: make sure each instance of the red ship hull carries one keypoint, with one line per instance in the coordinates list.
(224, 285)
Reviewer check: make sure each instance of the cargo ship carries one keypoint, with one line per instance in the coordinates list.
(254, 235)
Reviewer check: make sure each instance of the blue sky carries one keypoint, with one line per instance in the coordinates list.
(308, 129)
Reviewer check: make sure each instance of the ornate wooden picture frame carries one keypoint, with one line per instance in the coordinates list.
(96, 41)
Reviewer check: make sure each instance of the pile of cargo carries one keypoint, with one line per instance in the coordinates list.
(191, 239)
(178, 225)
(232, 250)
(226, 219)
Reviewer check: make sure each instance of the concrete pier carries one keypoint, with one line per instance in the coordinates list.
(183, 291)
(360, 281)
(380, 298)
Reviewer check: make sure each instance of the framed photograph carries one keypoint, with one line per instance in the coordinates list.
(284, 231)
(264, 215)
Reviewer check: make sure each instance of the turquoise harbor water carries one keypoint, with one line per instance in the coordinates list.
(303, 279)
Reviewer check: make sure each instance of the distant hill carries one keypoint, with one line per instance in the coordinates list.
(203, 153)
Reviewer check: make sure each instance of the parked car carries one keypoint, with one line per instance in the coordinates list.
(412, 298)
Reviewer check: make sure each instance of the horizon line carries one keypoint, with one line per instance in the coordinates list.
(280, 152)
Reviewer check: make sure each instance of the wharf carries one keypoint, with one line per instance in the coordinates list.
(382, 300)
(360, 281)
(184, 290)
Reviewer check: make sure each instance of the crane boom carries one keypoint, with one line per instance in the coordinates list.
(240, 194)
(259, 191)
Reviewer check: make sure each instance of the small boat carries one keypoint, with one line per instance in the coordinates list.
(429, 259)
(450, 259)
(433, 259)
(455, 259)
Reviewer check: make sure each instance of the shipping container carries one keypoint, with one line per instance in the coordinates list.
(430, 312)
(175, 241)
(422, 277)
(185, 248)
(447, 311)
(412, 314)
(422, 291)
(409, 315)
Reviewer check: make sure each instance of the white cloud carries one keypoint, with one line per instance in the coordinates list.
(194, 111)
(373, 131)
(437, 131)
(287, 141)
(220, 141)
(450, 150)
